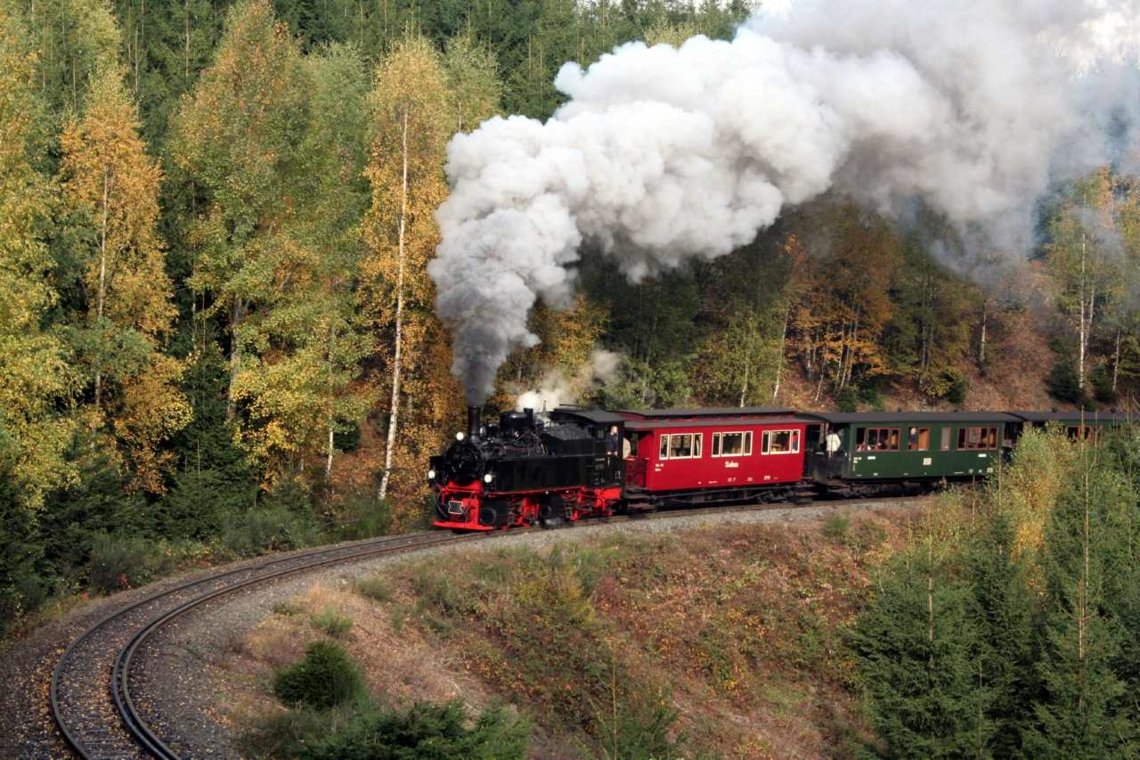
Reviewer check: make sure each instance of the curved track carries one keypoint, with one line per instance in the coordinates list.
(91, 699)
(101, 720)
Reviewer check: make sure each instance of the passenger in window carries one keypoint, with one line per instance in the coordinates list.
(795, 440)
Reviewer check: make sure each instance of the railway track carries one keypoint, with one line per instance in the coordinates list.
(91, 699)
(92, 702)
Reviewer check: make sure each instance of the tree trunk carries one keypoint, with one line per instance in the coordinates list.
(237, 314)
(780, 355)
(1116, 361)
(329, 451)
(1084, 319)
(982, 335)
(393, 418)
(748, 363)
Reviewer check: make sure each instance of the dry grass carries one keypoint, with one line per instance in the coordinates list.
(739, 629)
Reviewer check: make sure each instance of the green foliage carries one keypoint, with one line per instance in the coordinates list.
(429, 731)
(268, 528)
(1063, 382)
(123, 561)
(837, 526)
(362, 515)
(847, 400)
(638, 728)
(21, 588)
(1101, 380)
(375, 588)
(96, 505)
(1084, 711)
(1045, 584)
(918, 645)
(325, 677)
(331, 622)
(198, 504)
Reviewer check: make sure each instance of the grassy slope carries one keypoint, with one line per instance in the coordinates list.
(739, 630)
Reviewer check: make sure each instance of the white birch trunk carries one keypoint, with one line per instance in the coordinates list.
(393, 418)
(780, 355)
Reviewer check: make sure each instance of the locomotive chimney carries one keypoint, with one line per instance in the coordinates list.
(474, 415)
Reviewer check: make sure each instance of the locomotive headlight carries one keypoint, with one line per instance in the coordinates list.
(488, 477)
(431, 474)
(460, 436)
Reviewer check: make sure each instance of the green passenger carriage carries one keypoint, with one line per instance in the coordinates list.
(909, 446)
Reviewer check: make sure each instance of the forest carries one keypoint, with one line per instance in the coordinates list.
(217, 334)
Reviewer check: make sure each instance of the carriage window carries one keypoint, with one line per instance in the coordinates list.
(732, 444)
(918, 439)
(977, 438)
(877, 439)
(681, 446)
(946, 439)
(780, 442)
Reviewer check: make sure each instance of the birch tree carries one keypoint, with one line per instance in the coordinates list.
(411, 128)
(109, 180)
(1083, 235)
(298, 388)
(237, 140)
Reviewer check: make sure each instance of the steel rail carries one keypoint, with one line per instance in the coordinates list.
(296, 562)
(124, 704)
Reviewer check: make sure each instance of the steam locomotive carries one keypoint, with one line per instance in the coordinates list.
(575, 463)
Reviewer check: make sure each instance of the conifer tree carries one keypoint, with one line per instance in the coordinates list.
(1084, 710)
(1003, 611)
(75, 39)
(918, 646)
(110, 182)
(36, 380)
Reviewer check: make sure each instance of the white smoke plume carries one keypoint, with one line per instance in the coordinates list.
(662, 154)
(557, 389)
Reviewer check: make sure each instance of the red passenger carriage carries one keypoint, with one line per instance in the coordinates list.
(706, 456)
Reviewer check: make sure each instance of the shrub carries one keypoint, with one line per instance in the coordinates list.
(375, 588)
(437, 731)
(958, 387)
(268, 528)
(119, 562)
(836, 526)
(362, 515)
(197, 505)
(21, 588)
(325, 677)
(847, 400)
(332, 622)
(1101, 380)
(1063, 383)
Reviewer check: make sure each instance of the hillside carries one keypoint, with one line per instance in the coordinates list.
(718, 641)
